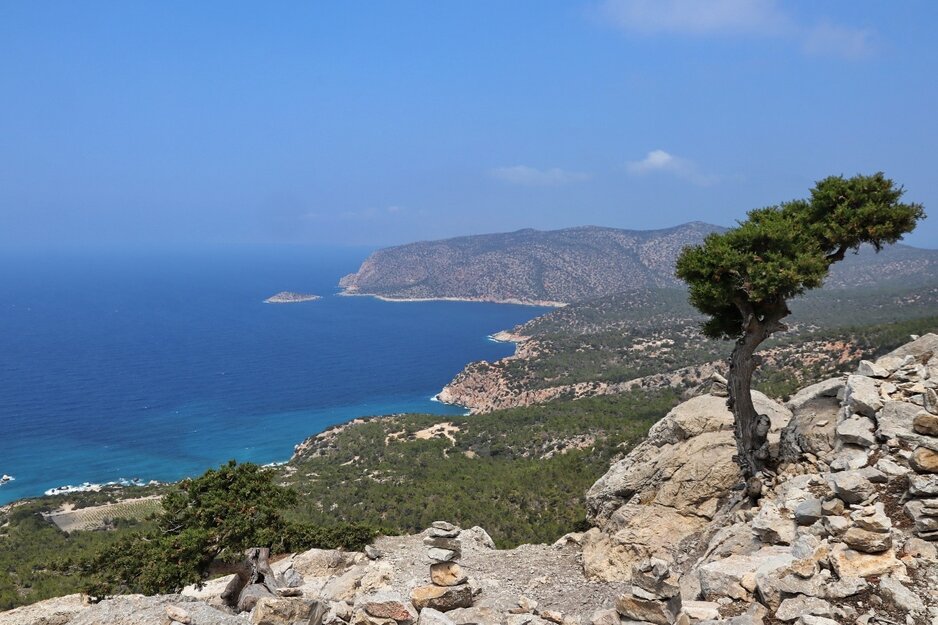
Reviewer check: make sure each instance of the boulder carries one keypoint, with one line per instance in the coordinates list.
(923, 346)
(701, 610)
(872, 518)
(862, 396)
(653, 575)
(442, 598)
(322, 562)
(178, 615)
(826, 388)
(250, 595)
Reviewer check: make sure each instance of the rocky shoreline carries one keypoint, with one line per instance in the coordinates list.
(289, 297)
(844, 532)
(481, 300)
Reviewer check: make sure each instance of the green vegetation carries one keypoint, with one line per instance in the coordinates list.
(743, 279)
(521, 473)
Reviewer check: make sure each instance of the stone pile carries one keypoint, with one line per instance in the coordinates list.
(655, 596)
(449, 588)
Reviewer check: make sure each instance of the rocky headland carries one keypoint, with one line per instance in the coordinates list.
(845, 532)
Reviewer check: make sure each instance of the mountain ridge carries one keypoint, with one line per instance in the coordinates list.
(559, 267)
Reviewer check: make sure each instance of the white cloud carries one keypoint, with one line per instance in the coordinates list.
(832, 40)
(758, 18)
(532, 177)
(698, 17)
(661, 161)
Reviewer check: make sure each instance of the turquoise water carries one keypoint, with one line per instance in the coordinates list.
(160, 365)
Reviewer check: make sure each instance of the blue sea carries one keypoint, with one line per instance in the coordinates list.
(157, 365)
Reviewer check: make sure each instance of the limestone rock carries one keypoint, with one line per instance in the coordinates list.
(442, 555)
(851, 486)
(724, 578)
(772, 527)
(793, 607)
(872, 518)
(900, 595)
(809, 512)
(605, 617)
(388, 604)
(930, 401)
(250, 595)
(924, 460)
(922, 346)
(866, 541)
(925, 423)
(850, 563)
(872, 370)
(826, 388)
(857, 430)
(177, 614)
(701, 610)
(923, 485)
(649, 611)
(281, 611)
(447, 574)
(322, 562)
(653, 575)
(896, 419)
(442, 598)
(439, 542)
(862, 396)
(429, 616)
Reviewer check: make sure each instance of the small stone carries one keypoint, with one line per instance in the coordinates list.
(872, 518)
(926, 423)
(605, 617)
(453, 544)
(872, 370)
(809, 512)
(836, 525)
(924, 460)
(894, 469)
(525, 606)
(772, 527)
(442, 555)
(175, 613)
(654, 576)
(862, 396)
(918, 548)
(277, 611)
(443, 525)
(372, 552)
(833, 507)
(447, 574)
(289, 592)
(851, 563)
(930, 401)
(552, 616)
(438, 533)
(701, 610)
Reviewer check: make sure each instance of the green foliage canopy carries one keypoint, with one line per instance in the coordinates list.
(781, 251)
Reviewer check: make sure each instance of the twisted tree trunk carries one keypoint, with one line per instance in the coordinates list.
(751, 428)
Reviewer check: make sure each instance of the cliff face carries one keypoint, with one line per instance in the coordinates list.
(527, 266)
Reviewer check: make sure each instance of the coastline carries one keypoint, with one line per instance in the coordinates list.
(485, 300)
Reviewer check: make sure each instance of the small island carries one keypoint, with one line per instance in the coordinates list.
(289, 297)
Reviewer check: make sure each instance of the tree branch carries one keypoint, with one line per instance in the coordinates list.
(837, 256)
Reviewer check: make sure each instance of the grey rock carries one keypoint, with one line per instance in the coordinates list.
(833, 507)
(866, 541)
(872, 370)
(442, 555)
(872, 518)
(772, 527)
(900, 595)
(923, 485)
(809, 512)
(862, 396)
(931, 401)
(925, 423)
(658, 612)
(895, 419)
(793, 607)
(807, 619)
(429, 616)
(443, 525)
(453, 544)
(605, 617)
(857, 430)
(851, 486)
(827, 388)
(372, 552)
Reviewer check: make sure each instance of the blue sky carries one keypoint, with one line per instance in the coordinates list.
(371, 123)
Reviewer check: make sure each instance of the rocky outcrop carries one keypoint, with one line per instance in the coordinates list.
(669, 487)
(844, 532)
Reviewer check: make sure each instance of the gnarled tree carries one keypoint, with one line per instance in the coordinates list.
(743, 279)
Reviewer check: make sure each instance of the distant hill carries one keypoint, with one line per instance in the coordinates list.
(574, 264)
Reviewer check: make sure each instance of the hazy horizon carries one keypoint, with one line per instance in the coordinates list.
(179, 125)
